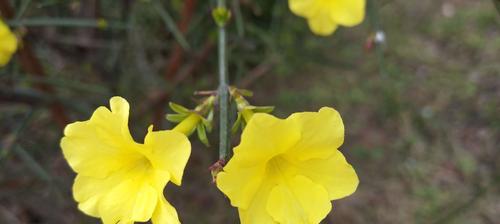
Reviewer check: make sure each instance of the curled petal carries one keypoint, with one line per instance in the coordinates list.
(102, 144)
(321, 134)
(169, 151)
(333, 173)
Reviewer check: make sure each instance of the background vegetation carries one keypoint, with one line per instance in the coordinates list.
(422, 111)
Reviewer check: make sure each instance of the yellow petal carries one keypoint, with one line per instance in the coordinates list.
(4, 58)
(300, 201)
(256, 212)
(333, 173)
(102, 144)
(8, 44)
(348, 12)
(128, 201)
(240, 184)
(120, 108)
(264, 137)
(165, 213)
(321, 134)
(304, 8)
(168, 150)
(322, 25)
(324, 16)
(130, 194)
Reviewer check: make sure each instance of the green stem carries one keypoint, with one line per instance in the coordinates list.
(223, 90)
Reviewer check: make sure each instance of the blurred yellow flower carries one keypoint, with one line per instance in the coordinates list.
(324, 16)
(288, 171)
(8, 44)
(119, 180)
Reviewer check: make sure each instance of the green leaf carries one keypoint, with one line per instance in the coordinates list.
(237, 123)
(210, 116)
(207, 124)
(176, 118)
(178, 108)
(245, 92)
(264, 109)
(202, 134)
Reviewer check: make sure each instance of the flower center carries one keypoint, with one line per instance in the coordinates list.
(279, 169)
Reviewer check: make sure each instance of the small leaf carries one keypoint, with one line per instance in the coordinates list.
(176, 118)
(264, 109)
(202, 134)
(210, 116)
(237, 124)
(245, 92)
(207, 124)
(178, 108)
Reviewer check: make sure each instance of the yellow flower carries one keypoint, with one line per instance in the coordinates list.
(324, 16)
(287, 171)
(119, 180)
(8, 44)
